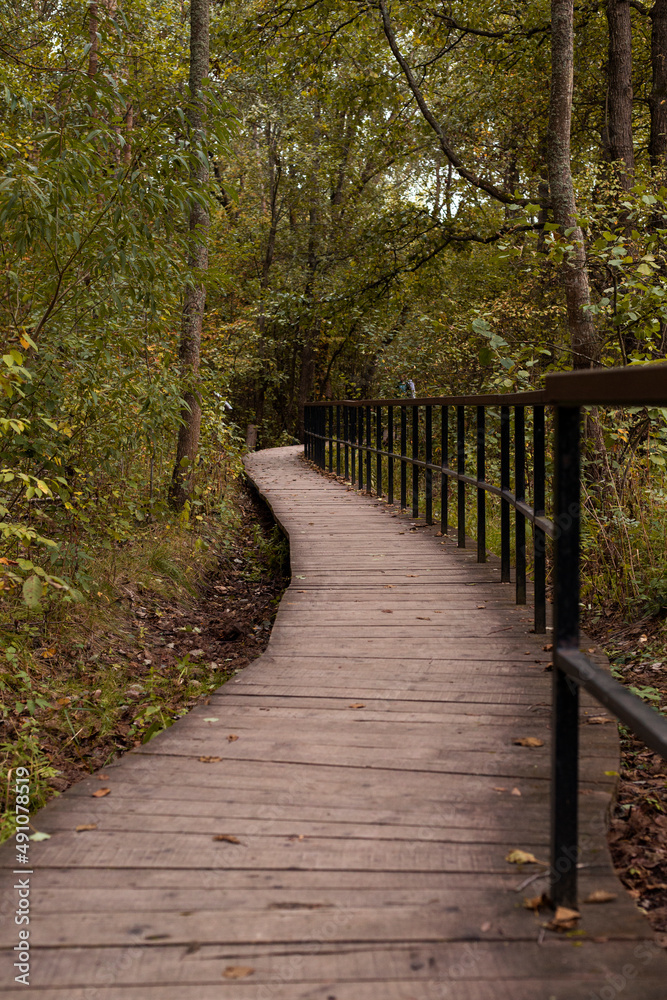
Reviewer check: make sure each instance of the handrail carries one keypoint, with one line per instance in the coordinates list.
(349, 436)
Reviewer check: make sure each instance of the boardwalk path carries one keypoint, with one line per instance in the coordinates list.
(370, 787)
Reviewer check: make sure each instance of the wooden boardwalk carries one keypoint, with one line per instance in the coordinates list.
(334, 824)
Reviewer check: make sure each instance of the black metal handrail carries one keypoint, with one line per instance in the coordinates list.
(565, 394)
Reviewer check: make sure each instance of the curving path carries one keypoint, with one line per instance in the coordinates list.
(350, 843)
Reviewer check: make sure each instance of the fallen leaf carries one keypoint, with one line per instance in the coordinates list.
(238, 972)
(534, 902)
(387, 611)
(357, 705)
(549, 646)
(102, 777)
(528, 741)
(211, 718)
(210, 760)
(232, 737)
(486, 926)
(389, 586)
(85, 826)
(517, 857)
(515, 791)
(49, 652)
(415, 575)
(228, 838)
(481, 607)
(499, 788)
(101, 792)
(564, 919)
(592, 650)
(598, 720)
(600, 896)
(37, 837)
(421, 619)
(63, 701)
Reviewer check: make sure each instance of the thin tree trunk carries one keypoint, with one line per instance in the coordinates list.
(93, 26)
(619, 131)
(658, 100)
(583, 337)
(195, 292)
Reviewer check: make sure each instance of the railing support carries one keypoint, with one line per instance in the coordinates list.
(565, 718)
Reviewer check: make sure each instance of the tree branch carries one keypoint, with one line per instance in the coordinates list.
(502, 196)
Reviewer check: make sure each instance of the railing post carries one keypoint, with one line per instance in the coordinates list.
(338, 440)
(565, 719)
(346, 433)
(539, 538)
(369, 454)
(428, 431)
(444, 480)
(353, 444)
(481, 493)
(331, 438)
(378, 449)
(404, 467)
(520, 493)
(504, 485)
(415, 457)
(461, 468)
(390, 449)
(306, 431)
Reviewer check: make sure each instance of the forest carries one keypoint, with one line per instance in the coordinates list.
(212, 213)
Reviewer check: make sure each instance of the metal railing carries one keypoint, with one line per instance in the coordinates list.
(356, 439)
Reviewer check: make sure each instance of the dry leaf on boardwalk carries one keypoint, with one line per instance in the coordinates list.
(598, 720)
(228, 838)
(238, 971)
(357, 705)
(535, 902)
(232, 737)
(518, 857)
(601, 896)
(210, 760)
(101, 792)
(549, 646)
(528, 741)
(515, 791)
(421, 619)
(85, 826)
(564, 919)
(387, 611)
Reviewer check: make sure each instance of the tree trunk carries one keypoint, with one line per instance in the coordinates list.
(93, 26)
(657, 147)
(619, 90)
(583, 337)
(195, 292)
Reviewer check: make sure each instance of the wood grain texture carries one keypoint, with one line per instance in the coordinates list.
(374, 789)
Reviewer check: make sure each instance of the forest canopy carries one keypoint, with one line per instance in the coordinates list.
(302, 200)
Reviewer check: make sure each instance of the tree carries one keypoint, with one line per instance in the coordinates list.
(619, 143)
(195, 291)
(585, 345)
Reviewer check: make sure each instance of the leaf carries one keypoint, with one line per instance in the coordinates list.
(357, 704)
(238, 971)
(564, 919)
(515, 791)
(535, 902)
(211, 718)
(518, 857)
(528, 741)
(32, 591)
(85, 826)
(228, 838)
(37, 837)
(101, 792)
(210, 760)
(600, 896)
(598, 720)
(232, 738)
